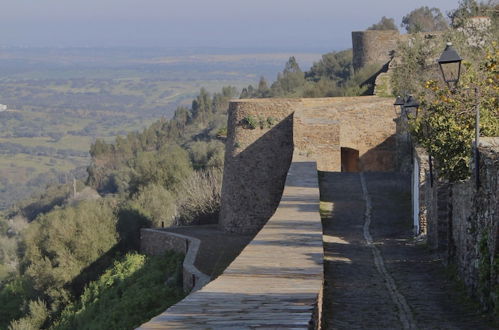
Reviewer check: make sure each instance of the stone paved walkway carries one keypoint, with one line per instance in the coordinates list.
(392, 283)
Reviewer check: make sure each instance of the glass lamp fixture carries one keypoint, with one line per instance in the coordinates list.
(450, 65)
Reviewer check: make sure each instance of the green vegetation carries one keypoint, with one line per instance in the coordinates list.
(445, 126)
(473, 8)
(333, 75)
(252, 122)
(424, 19)
(134, 283)
(385, 23)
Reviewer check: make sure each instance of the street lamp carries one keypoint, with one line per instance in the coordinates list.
(411, 104)
(399, 101)
(450, 65)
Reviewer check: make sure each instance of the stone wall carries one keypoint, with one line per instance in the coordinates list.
(257, 156)
(256, 162)
(475, 215)
(156, 242)
(463, 222)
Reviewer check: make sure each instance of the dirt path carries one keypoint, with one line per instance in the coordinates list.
(376, 276)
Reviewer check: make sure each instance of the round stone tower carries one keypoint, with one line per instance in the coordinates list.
(373, 47)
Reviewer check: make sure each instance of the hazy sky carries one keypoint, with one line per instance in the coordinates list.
(297, 24)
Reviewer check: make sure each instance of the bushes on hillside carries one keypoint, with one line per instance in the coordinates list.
(199, 197)
(155, 203)
(59, 245)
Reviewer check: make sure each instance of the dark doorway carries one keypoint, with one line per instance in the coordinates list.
(349, 160)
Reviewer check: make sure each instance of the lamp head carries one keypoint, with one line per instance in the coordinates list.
(450, 65)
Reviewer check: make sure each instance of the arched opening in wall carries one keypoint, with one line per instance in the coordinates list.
(349, 160)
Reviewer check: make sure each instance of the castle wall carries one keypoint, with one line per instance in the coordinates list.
(258, 156)
(256, 162)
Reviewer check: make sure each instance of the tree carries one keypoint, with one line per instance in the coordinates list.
(470, 8)
(60, 244)
(336, 66)
(385, 23)
(201, 106)
(263, 88)
(291, 78)
(446, 125)
(424, 19)
(165, 167)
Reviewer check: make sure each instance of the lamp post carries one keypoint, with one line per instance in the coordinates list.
(402, 126)
(412, 105)
(450, 67)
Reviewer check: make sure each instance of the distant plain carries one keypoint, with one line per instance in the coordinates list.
(61, 99)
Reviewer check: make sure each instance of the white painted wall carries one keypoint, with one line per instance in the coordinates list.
(415, 196)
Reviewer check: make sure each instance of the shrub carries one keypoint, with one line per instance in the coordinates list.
(199, 196)
(249, 122)
(155, 203)
(36, 318)
(60, 244)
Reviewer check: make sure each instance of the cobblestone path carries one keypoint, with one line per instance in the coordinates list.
(376, 276)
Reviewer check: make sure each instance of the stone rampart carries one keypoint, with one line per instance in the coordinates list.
(257, 159)
(156, 242)
(262, 134)
(276, 281)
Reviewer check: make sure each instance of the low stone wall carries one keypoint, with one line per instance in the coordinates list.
(276, 281)
(157, 242)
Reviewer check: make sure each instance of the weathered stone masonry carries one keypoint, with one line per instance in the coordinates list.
(463, 222)
(257, 158)
(373, 46)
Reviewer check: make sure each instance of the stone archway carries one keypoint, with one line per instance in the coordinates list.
(349, 160)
